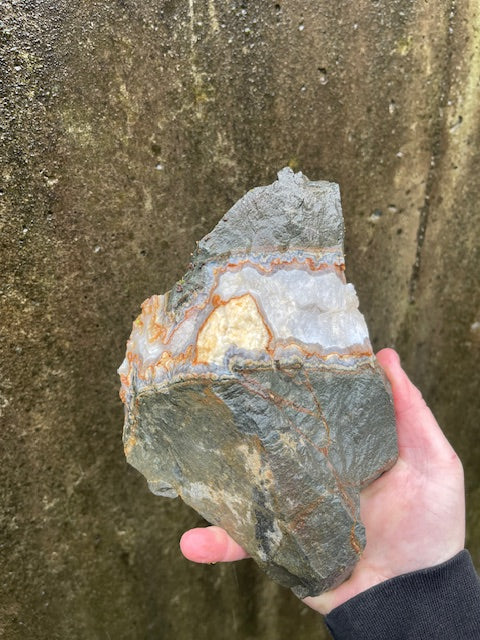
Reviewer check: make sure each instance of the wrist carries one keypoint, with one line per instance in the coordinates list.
(365, 578)
(359, 582)
(434, 603)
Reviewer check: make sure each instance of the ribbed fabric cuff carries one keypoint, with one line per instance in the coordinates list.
(438, 603)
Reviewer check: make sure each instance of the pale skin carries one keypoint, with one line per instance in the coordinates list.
(414, 514)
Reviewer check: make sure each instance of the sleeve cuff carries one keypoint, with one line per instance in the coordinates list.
(441, 602)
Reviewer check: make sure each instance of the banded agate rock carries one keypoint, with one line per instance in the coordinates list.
(251, 389)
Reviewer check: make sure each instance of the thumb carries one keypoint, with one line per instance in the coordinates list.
(419, 435)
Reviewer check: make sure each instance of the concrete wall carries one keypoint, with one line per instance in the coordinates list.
(128, 128)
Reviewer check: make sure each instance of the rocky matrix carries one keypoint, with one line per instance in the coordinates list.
(251, 389)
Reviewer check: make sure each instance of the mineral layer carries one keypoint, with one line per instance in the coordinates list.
(251, 389)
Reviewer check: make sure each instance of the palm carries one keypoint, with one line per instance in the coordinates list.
(414, 514)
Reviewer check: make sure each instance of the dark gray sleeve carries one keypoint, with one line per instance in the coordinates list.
(438, 603)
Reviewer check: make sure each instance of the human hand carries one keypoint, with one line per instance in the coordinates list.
(414, 514)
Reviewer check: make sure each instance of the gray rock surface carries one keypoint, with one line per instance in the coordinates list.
(252, 391)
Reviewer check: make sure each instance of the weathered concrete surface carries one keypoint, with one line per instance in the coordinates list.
(127, 129)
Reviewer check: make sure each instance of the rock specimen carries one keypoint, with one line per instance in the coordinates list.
(251, 389)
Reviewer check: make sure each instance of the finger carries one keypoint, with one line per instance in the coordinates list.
(210, 544)
(323, 604)
(417, 429)
(328, 600)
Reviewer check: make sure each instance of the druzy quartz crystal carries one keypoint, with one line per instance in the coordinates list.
(251, 389)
